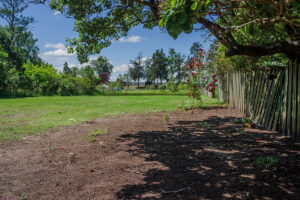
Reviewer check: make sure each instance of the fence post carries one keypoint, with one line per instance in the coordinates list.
(281, 99)
(298, 101)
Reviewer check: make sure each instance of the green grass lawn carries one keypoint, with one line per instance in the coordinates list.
(22, 116)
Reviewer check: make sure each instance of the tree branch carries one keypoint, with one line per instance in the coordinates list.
(290, 48)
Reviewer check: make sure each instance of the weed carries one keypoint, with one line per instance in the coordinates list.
(204, 125)
(93, 139)
(100, 142)
(241, 131)
(266, 161)
(204, 103)
(84, 137)
(23, 196)
(166, 117)
(242, 121)
(99, 132)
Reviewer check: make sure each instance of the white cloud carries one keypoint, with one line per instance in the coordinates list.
(57, 55)
(144, 59)
(56, 13)
(120, 68)
(117, 70)
(55, 46)
(57, 52)
(132, 39)
(60, 50)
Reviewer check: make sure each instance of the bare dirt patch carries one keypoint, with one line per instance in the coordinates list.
(192, 155)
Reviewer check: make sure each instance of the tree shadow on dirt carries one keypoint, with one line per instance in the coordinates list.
(213, 159)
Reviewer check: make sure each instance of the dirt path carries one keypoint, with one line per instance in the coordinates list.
(193, 155)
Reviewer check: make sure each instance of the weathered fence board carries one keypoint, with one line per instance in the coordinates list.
(270, 98)
(298, 103)
(289, 102)
(284, 109)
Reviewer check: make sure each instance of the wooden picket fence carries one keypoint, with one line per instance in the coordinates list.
(271, 98)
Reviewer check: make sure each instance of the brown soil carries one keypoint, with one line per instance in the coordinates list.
(146, 157)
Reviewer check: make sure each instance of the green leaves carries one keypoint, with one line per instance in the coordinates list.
(279, 27)
(194, 5)
(181, 18)
(188, 27)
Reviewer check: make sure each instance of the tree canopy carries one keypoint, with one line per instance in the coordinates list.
(15, 37)
(136, 71)
(160, 65)
(102, 64)
(176, 63)
(246, 27)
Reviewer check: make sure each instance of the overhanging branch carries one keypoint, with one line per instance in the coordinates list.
(289, 48)
(285, 47)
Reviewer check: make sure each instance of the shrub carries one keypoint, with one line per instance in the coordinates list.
(197, 75)
(113, 85)
(182, 86)
(161, 87)
(171, 86)
(12, 82)
(150, 87)
(41, 79)
(86, 86)
(68, 86)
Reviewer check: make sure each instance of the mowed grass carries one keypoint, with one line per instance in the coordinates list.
(23, 116)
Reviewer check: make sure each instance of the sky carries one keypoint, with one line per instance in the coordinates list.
(52, 28)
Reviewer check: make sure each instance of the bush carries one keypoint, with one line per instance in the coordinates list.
(171, 86)
(150, 87)
(41, 79)
(182, 86)
(68, 86)
(161, 87)
(113, 85)
(12, 82)
(86, 86)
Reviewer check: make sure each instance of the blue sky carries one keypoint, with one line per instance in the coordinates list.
(51, 29)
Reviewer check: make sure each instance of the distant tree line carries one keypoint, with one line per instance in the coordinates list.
(158, 69)
(23, 73)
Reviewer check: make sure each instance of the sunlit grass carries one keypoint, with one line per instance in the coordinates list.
(22, 116)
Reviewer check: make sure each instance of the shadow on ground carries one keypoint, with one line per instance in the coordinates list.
(213, 159)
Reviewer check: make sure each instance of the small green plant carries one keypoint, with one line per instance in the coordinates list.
(242, 121)
(24, 196)
(166, 117)
(100, 142)
(84, 137)
(99, 132)
(266, 161)
(93, 139)
(190, 104)
(204, 125)
(241, 131)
